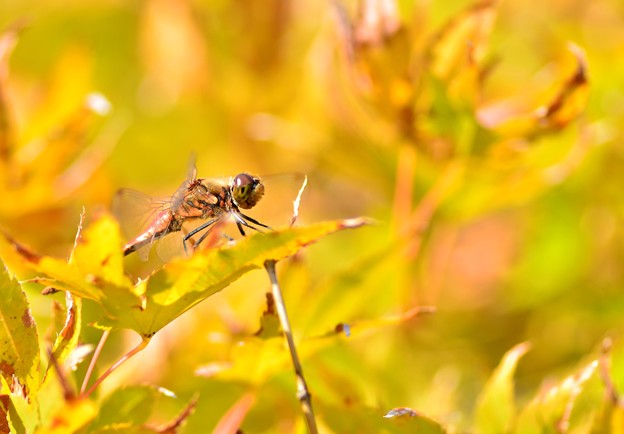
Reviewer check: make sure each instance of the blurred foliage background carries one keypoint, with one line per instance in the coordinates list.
(486, 146)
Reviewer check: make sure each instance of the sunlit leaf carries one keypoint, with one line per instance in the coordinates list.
(496, 408)
(96, 272)
(183, 283)
(414, 421)
(552, 409)
(23, 415)
(128, 406)
(362, 328)
(61, 275)
(97, 253)
(67, 338)
(570, 98)
(68, 332)
(256, 360)
(395, 421)
(378, 49)
(19, 346)
(70, 417)
(610, 418)
(93, 278)
(463, 42)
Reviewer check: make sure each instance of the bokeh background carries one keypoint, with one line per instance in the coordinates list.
(508, 224)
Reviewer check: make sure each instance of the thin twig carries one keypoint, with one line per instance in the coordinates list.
(421, 217)
(117, 364)
(94, 359)
(303, 393)
(68, 393)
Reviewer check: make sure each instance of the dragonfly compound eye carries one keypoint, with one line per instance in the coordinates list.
(247, 190)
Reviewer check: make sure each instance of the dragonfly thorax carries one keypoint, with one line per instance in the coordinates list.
(204, 199)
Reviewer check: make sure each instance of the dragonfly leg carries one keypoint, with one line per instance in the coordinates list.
(203, 237)
(196, 230)
(240, 228)
(240, 222)
(254, 221)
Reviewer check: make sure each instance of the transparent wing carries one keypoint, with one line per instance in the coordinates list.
(170, 247)
(191, 176)
(135, 210)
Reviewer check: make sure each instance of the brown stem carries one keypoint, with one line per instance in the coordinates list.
(303, 393)
(94, 359)
(68, 393)
(420, 218)
(117, 364)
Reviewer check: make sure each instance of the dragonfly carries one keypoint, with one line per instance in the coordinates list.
(208, 200)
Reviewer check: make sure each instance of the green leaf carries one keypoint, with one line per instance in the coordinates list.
(400, 420)
(463, 41)
(554, 409)
(98, 253)
(610, 419)
(19, 345)
(96, 272)
(413, 421)
(363, 328)
(556, 112)
(496, 408)
(255, 360)
(128, 406)
(71, 416)
(60, 274)
(183, 283)
(67, 338)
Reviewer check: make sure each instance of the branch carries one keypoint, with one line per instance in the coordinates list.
(117, 364)
(303, 393)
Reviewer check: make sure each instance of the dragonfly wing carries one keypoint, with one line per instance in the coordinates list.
(135, 212)
(144, 252)
(171, 247)
(182, 190)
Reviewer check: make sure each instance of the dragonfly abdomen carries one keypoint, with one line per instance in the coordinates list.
(163, 224)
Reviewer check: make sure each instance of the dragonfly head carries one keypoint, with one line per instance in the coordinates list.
(247, 190)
